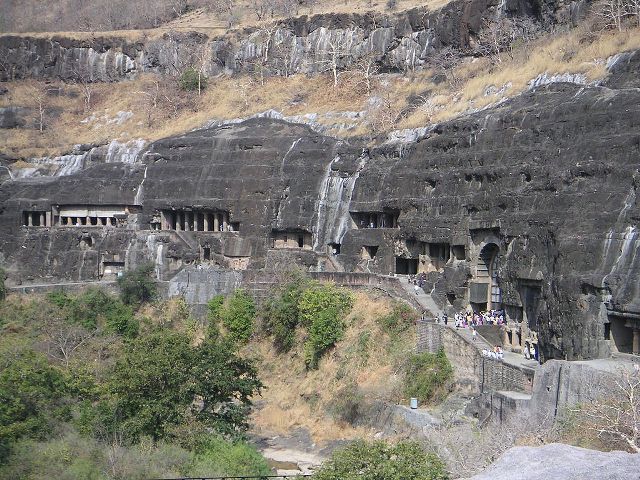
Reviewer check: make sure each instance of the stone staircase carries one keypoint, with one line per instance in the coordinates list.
(424, 299)
(188, 238)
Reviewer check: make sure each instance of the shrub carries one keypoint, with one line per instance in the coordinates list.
(426, 376)
(215, 307)
(379, 460)
(219, 457)
(320, 297)
(193, 80)
(401, 317)
(322, 310)
(280, 316)
(238, 316)
(325, 331)
(94, 308)
(31, 399)
(346, 406)
(137, 286)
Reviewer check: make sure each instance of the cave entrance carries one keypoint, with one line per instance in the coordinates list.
(206, 253)
(334, 248)
(625, 333)
(406, 266)
(487, 274)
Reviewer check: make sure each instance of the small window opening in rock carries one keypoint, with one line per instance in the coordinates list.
(607, 331)
(300, 241)
(451, 297)
(206, 254)
(334, 248)
(369, 251)
(458, 252)
(235, 226)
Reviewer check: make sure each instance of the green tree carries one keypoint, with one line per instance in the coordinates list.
(238, 316)
(380, 460)
(280, 315)
(193, 80)
(162, 380)
(31, 399)
(322, 310)
(318, 297)
(137, 286)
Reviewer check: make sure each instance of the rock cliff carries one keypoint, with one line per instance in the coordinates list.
(396, 42)
(530, 205)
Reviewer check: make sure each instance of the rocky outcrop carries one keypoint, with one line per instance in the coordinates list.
(560, 461)
(396, 42)
(535, 197)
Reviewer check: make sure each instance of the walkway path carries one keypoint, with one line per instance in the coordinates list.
(424, 299)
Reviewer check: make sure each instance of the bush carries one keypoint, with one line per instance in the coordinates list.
(325, 331)
(280, 316)
(215, 306)
(426, 376)
(379, 460)
(137, 286)
(222, 458)
(94, 308)
(322, 310)
(346, 406)
(401, 318)
(31, 399)
(192, 80)
(238, 316)
(320, 297)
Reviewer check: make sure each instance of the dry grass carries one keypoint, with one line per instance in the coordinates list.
(297, 398)
(563, 53)
(207, 20)
(242, 96)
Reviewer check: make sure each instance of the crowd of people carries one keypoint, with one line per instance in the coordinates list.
(474, 319)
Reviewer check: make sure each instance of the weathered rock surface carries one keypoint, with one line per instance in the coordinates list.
(397, 42)
(561, 461)
(547, 179)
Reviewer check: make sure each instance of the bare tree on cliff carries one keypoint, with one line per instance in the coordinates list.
(445, 60)
(39, 96)
(634, 10)
(612, 13)
(332, 58)
(81, 77)
(362, 73)
(614, 417)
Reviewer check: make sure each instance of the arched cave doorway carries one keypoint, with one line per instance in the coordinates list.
(487, 273)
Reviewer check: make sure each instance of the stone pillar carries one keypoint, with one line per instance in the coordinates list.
(42, 220)
(163, 221)
(505, 338)
(196, 224)
(29, 219)
(224, 221)
(636, 341)
(179, 220)
(47, 219)
(206, 222)
(216, 223)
